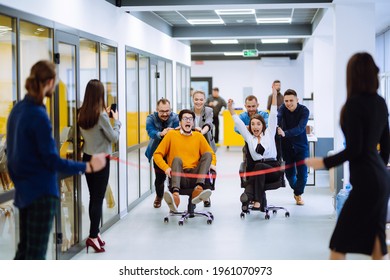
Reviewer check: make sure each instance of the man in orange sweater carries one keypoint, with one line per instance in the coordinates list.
(185, 151)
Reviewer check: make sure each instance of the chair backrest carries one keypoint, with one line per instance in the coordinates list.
(278, 143)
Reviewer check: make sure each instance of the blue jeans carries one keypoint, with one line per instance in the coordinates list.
(297, 173)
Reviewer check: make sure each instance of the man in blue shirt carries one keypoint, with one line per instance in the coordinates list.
(157, 125)
(33, 163)
(251, 106)
(292, 121)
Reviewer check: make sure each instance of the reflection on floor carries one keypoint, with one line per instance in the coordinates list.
(143, 235)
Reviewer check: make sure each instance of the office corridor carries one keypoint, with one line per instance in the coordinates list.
(143, 235)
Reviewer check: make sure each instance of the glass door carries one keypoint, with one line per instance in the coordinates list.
(154, 75)
(66, 48)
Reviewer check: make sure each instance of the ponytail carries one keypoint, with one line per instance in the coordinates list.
(40, 74)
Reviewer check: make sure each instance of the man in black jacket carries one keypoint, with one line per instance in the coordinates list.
(292, 121)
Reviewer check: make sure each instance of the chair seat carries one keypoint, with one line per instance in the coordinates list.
(280, 183)
(190, 212)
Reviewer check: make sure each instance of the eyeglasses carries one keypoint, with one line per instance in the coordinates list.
(189, 119)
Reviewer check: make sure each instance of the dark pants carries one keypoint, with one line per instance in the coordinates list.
(159, 180)
(216, 129)
(256, 188)
(296, 174)
(202, 168)
(35, 224)
(97, 185)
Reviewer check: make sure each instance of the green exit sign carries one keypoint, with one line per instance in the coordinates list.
(250, 53)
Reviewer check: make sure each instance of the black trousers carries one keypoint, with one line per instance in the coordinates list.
(159, 180)
(35, 224)
(97, 186)
(256, 188)
(216, 129)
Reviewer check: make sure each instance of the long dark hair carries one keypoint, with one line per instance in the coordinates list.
(362, 77)
(41, 72)
(93, 104)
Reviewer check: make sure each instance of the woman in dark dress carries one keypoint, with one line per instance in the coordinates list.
(364, 120)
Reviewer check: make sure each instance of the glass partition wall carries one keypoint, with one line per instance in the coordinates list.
(99, 61)
(8, 97)
(144, 109)
(22, 44)
(183, 96)
(108, 76)
(79, 59)
(147, 80)
(132, 127)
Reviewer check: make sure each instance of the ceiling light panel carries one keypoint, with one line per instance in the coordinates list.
(232, 53)
(236, 12)
(205, 21)
(202, 17)
(274, 15)
(224, 41)
(274, 20)
(274, 41)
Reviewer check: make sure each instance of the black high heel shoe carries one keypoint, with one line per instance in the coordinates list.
(90, 242)
(101, 242)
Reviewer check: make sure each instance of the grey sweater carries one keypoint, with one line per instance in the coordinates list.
(99, 139)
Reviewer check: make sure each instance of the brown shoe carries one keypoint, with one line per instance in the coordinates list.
(176, 198)
(157, 202)
(198, 195)
(173, 200)
(299, 200)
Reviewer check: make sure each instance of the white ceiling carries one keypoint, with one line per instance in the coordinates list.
(170, 17)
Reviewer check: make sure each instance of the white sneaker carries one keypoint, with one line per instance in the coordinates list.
(203, 196)
(168, 197)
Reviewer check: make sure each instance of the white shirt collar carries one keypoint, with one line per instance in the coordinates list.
(184, 133)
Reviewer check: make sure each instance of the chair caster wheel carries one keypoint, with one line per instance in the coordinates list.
(181, 223)
(166, 220)
(209, 222)
(242, 215)
(267, 217)
(287, 214)
(274, 212)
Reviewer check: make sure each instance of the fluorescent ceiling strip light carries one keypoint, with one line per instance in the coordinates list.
(224, 41)
(236, 12)
(273, 20)
(274, 41)
(232, 53)
(205, 21)
(5, 28)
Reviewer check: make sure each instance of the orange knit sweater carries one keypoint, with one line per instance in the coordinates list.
(188, 147)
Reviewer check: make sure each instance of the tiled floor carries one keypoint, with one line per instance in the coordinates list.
(143, 235)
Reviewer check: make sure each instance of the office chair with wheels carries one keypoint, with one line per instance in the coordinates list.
(279, 183)
(190, 212)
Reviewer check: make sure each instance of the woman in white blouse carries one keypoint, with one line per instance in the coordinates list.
(261, 151)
